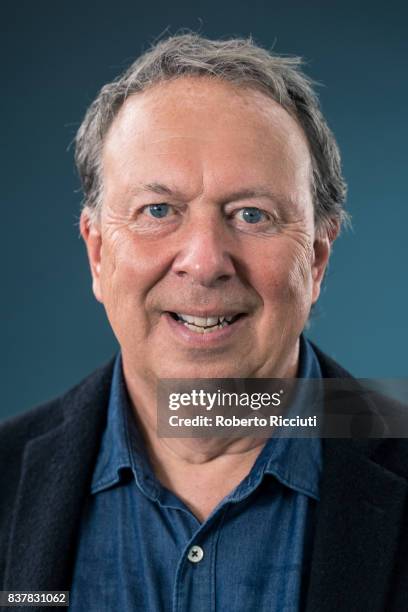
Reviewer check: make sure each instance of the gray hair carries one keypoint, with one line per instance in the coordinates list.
(238, 61)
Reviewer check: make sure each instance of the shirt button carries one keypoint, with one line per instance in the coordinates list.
(195, 554)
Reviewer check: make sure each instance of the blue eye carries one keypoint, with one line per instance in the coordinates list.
(252, 215)
(158, 210)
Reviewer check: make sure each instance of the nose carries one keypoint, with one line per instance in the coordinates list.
(204, 255)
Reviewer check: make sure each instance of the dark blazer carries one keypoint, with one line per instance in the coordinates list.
(47, 456)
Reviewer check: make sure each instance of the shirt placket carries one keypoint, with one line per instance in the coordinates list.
(194, 582)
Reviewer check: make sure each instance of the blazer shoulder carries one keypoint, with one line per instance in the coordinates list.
(51, 448)
(330, 368)
(389, 452)
(16, 431)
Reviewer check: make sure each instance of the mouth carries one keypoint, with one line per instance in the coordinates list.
(208, 324)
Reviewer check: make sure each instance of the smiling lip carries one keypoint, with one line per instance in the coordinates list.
(210, 337)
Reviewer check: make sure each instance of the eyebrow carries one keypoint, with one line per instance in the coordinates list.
(157, 188)
(236, 196)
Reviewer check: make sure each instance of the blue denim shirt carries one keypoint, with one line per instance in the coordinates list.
(141, 548)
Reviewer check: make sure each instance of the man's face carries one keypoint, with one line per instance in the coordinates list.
(205, 256)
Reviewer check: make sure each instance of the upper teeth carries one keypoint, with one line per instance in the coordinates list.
(204, 321)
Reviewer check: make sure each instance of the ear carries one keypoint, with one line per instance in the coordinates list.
(324, 239)
(91, 233)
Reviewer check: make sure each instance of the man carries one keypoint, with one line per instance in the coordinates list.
(213, 194)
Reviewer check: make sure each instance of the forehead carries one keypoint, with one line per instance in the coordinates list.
(198, 126)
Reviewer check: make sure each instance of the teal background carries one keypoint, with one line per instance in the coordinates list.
(55, 56)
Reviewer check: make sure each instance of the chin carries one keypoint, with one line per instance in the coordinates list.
(202, 370)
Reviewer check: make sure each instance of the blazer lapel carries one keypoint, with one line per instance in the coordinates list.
(357, 530)
(56, 472)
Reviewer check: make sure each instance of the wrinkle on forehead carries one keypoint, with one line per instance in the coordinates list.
(198, 98)
(200, 134)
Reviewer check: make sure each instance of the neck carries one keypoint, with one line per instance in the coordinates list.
(142, 388)
(201, 471)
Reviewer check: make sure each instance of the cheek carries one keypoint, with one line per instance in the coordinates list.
(300, 279)
(129, 268)
(284, 278)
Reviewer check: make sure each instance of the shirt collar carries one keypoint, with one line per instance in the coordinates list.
(295, 462)
(122, 448)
